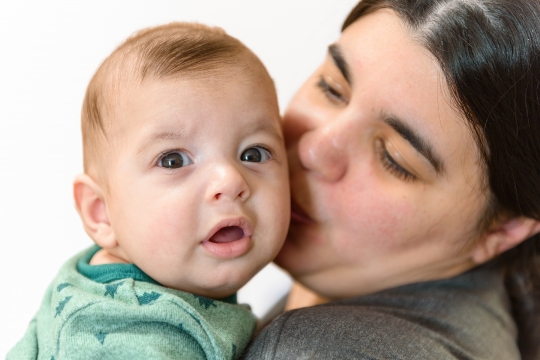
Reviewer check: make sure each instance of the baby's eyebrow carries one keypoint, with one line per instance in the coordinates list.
(264, 125)
(161, 136)
(167, 135)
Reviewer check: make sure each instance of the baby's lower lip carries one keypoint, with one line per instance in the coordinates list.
(226, 250)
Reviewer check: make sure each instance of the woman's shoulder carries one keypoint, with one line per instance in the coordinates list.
(466, 317)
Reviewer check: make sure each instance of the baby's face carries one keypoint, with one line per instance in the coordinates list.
(198, 193)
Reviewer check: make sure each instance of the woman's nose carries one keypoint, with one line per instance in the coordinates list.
(323, 150)
(227, 183)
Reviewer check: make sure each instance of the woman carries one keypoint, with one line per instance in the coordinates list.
(415, 165)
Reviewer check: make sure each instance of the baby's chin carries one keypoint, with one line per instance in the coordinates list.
(219, 293)
(212, 288)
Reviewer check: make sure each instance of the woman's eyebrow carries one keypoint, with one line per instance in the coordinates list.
(420, 144)
(339, 60)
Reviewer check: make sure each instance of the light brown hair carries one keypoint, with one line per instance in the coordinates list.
(175, 49)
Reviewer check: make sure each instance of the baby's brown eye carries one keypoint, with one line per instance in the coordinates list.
(255, 154)
(174, 160)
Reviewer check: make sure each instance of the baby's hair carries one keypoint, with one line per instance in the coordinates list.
(175, 49)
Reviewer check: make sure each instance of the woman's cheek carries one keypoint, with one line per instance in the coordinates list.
(373, 222)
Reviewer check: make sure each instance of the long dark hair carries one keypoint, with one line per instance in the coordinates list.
(489, 51)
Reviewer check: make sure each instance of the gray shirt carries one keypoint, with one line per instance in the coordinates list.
(466, 317)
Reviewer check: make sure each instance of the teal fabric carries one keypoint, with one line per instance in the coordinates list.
(110, 272)
(127, 318)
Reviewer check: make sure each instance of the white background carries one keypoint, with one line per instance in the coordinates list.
(49, 51)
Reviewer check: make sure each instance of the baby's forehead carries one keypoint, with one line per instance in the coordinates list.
(209, 95)
(212, 83)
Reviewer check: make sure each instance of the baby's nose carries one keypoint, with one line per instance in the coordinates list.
(227, 183)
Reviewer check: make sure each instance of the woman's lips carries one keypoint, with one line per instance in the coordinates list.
(229, 238)
(299, 215)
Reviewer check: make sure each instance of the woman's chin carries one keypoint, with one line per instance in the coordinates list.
(300, 254)
(290, 258)
(285, 255)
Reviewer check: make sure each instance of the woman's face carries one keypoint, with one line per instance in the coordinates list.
(385, 173)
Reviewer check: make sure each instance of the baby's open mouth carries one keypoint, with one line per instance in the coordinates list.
(229, 238)
(227, 234)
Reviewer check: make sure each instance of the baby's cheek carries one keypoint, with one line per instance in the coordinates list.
(147, 224)
(272, 209)
(271, 196)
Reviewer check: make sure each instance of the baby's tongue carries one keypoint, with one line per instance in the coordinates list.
(227, 234)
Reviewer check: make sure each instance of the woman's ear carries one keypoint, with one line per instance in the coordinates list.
(92, 208)
(504, 236)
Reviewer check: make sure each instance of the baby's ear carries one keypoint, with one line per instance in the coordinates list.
(504, 236)
(92, 208)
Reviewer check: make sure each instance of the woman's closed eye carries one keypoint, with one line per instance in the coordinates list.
(392, 165)
(174, 160)
(256, 154)
(333, 93)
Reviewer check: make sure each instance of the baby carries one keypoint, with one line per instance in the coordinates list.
(185, 193)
